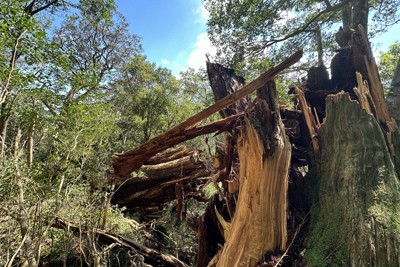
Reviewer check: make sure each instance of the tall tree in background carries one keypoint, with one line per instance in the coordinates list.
(243, 29)
(54, 92)
(144, 98)
(22, 43)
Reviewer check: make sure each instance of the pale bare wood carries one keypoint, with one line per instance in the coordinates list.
(259, 224)
(175, 167)
(308, 117)
(260, 220)
(362, 93)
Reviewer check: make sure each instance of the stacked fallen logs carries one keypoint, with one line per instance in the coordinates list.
(157, 180)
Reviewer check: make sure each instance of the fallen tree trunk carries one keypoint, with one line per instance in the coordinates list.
(142, 194)
(156, 184)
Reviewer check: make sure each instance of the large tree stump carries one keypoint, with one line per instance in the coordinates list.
(356, 213)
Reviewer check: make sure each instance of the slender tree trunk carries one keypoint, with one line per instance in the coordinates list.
(393, 98)
(31, 134)
(320, 48)
(3, 133)
(28, 247)
(360, 14)
(16, 143)
(347, 16)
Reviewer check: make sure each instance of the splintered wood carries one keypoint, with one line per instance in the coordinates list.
(362, 92)
(364, 62)
(260, 220)
(308, 117)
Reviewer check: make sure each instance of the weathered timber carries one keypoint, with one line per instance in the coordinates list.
(106, 238)
(155, 184)
(393, 98)
(127, 162)
(170, 155)
(210, 236)
(223, 82)
(364, 63)
(141, 194)
(260, 219)
(363, 95)
(174, 168)
(134, 159)
(308, 117)
(355, 216)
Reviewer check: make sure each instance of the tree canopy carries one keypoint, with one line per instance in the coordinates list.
(256, 28)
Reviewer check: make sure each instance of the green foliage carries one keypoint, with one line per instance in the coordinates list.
(145, 100)
(244, 30)
(387, 65)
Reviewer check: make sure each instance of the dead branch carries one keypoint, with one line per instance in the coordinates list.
(106, 238)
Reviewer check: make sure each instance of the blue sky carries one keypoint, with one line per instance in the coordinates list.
(173, 32)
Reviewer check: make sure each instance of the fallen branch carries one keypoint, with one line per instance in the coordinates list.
(106, 238)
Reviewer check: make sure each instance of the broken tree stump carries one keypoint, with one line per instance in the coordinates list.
(260, 219)
(355, 216)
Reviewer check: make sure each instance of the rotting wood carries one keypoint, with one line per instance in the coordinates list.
(155, 184)
(138, 156)
(175, 168)
(170, 155)
(358, 191)
(223, 82)
(141, 193)
(127, 162)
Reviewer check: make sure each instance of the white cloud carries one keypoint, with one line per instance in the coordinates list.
(165, 62)
(202, 47)
(202, 14)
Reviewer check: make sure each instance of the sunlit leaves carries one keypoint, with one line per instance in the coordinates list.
(387, 64)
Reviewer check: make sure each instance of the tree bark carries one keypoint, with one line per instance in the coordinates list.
(356, 208)
(346, 15)
(3, 134)
(360, 14)
(17, 140)
(31, 133)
